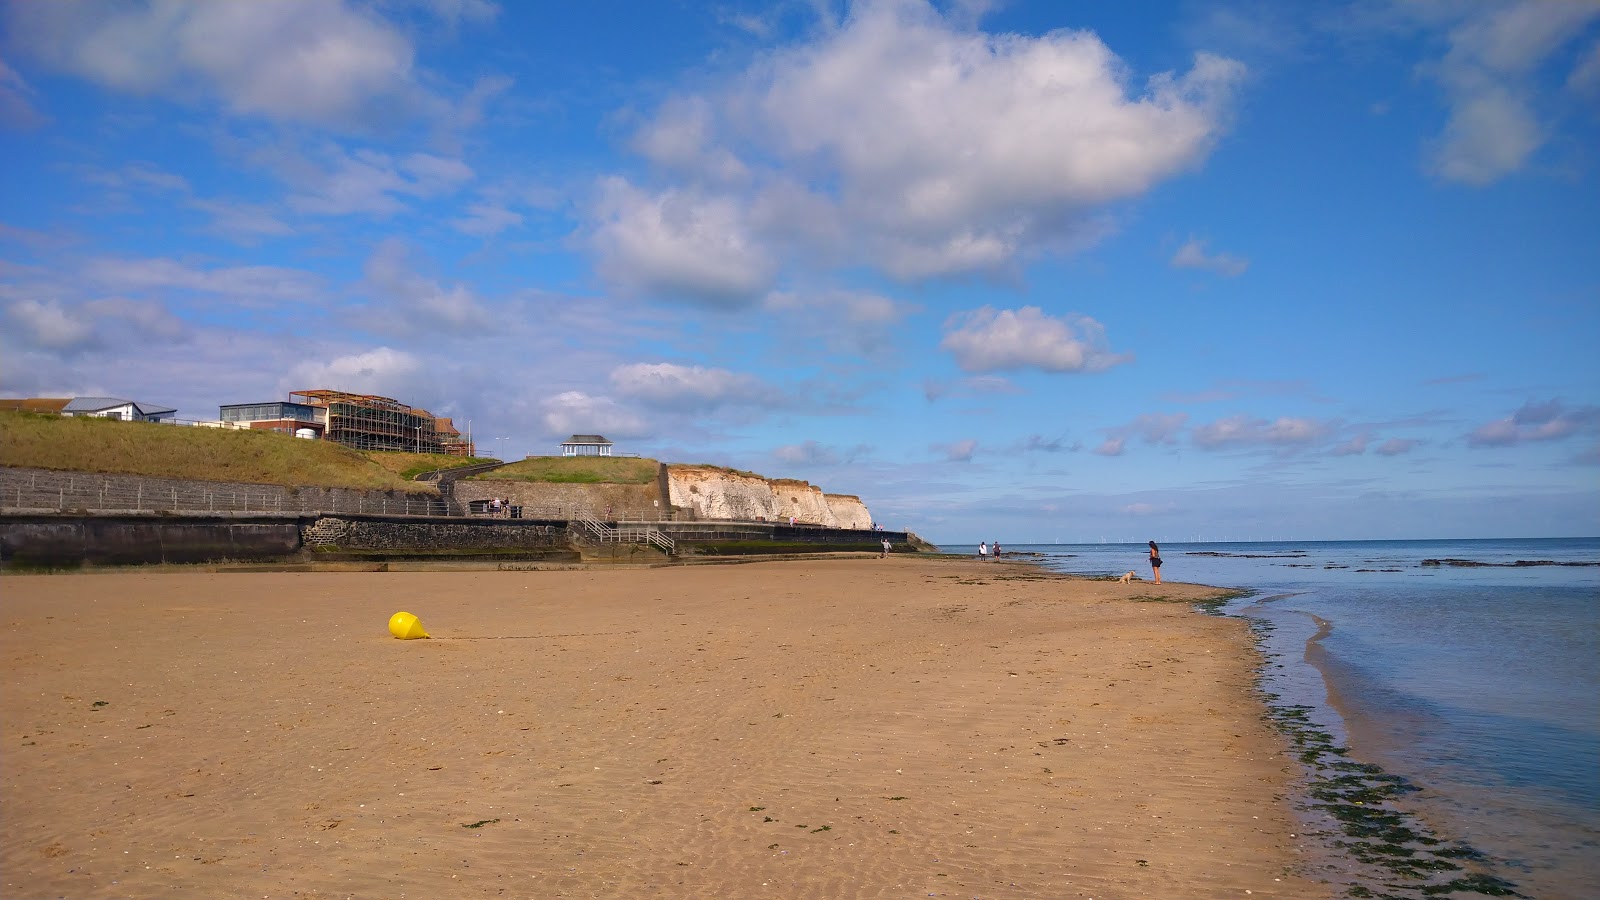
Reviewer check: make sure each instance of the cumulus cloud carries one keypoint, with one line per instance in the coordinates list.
(325, 62)
(684, 244)
(576, 412)
(972, 151)
(1547, 421)
(986, 340)
(1244, 431)
(381, 371)
(689, 387)
(1192, 255)
(1487, 75)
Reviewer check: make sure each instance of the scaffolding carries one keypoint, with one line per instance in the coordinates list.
(370, 422)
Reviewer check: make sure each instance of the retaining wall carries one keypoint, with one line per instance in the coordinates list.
(68, 540)
(42, 489)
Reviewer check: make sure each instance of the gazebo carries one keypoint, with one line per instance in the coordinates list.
(586, 445)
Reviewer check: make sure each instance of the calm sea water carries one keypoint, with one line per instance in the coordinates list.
(1479, 684)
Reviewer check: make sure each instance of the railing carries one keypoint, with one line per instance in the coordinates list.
(61, 493)
(627, 534)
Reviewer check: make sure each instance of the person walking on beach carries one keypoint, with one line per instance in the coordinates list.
(996, 549)
(983, 551)
(1155, 561)
(885, 548)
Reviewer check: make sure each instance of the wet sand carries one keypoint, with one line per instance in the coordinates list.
(823, 728)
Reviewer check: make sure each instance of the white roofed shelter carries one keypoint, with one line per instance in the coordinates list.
(586, 445)
(117, 408)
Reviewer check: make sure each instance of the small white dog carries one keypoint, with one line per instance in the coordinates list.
(1126, 578)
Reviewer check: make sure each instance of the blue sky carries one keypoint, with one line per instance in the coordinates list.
(1017, 271)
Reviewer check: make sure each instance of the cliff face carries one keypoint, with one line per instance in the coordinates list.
(715, 493)
(849, 510)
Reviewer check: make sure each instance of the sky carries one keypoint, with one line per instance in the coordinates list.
(1016, 271)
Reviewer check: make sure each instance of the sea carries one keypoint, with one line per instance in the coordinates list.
(1459, 677)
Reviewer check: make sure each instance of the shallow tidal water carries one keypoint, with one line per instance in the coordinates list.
(1478, 685)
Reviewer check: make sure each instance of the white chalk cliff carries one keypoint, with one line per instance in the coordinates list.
(717, 493)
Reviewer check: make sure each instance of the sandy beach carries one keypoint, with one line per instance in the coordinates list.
(825, 728)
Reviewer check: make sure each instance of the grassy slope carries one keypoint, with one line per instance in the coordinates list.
(203, 454)
(410, 465)
(578, 470)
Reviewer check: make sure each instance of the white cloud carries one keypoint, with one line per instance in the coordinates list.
(248, 285)
(971, 151)
(379, 371)
(1112, 446)
(16, 101)
(815, 454)
(1396, 446)
(342, 182)
(416, 303)
(486, 220)
(854, 321)
(242, 222)
(1192, 255)
(1585, 77)
(1356, 446)
(576, 412)
(1547, 421)
(960, 451)
(1244, 431)
(684, 244)
(1487, 75)
(47, 324)
(325, 62)
(689, 387)
(987, 339)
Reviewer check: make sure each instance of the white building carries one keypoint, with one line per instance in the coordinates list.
(113, 408)
(586, 445)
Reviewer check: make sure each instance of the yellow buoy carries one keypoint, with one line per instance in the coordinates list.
(405, 626)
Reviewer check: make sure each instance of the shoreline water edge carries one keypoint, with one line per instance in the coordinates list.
(803, 728)
(1442, 696)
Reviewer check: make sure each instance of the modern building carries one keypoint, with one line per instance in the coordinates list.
(115, 408)
(299, 419)
(370, 422)
(586, 445)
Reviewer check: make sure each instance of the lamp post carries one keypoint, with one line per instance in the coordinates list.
(500, 448)
(419, 438)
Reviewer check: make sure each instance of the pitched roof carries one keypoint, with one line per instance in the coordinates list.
(97, 404)
(586, 439)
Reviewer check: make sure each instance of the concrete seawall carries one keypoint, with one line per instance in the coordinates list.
(70, 540)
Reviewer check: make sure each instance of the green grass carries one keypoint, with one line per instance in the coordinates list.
(577, 470)
(410, 465)
(109, 446)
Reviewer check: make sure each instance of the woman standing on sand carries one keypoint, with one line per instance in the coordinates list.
(1155, 561)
